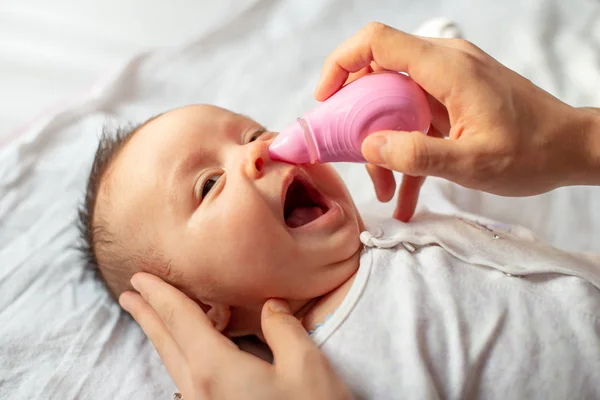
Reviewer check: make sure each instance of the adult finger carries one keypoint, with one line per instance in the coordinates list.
(440, 120)
(184, 319)
(383, 181)
(408, 196)
(390, 49)
(286, 336)
(369, 69)
(159, 335)
(456, 43)
(378, 68)
(359, 74)
(416, 154)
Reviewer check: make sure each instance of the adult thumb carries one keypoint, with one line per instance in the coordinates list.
(413, 153)
(284, 333)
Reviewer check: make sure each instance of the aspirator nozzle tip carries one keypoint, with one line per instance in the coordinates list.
(290, 146)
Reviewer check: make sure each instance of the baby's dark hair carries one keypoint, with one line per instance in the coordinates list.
(113, 259)
(94, 233)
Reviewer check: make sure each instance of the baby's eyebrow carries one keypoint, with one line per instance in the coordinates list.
(189, 163)
(184, 166)
(260, 128)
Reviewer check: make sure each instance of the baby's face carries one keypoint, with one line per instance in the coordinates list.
(196, 186)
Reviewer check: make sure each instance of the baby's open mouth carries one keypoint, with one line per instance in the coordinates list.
(303, 203)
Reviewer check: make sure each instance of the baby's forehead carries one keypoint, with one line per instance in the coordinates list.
(187, 129)
(198, 118)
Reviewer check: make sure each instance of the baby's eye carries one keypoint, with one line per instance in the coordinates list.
(256, 135)
(208, 184)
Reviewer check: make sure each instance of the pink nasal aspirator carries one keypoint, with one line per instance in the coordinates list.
(335, 129)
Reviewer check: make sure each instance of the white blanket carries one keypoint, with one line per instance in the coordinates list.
(60, 335)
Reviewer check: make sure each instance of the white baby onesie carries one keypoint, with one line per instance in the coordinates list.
(449, 307)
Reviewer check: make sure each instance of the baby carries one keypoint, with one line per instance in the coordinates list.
(193, 197)
(441, 307)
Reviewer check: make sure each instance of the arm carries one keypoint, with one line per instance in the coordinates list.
(591, 129)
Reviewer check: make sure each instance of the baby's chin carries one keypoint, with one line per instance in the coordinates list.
(327, 279)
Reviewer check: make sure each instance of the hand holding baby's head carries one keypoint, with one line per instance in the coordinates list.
(193, 197)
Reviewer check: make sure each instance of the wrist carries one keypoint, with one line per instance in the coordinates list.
(590, 129)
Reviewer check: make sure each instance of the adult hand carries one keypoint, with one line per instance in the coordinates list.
(507, 136)
(206, 365)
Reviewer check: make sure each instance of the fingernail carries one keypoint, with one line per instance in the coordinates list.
(375, 149)
(278, 305)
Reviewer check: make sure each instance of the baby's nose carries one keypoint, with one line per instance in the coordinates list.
(258, 164)
(258, 158)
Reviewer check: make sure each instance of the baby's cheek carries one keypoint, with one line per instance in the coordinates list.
(249, 224)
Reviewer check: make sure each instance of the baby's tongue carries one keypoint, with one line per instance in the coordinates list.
(303, 215)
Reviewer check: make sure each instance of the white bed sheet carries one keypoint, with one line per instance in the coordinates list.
(60, 335)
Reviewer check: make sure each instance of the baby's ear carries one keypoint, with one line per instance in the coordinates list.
(218, 314)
